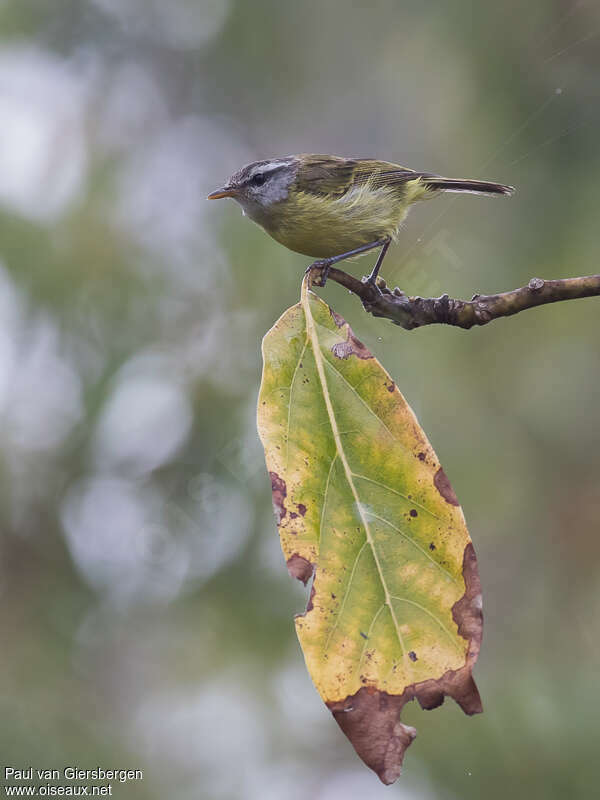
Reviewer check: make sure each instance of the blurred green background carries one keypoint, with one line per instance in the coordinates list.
(146, 612)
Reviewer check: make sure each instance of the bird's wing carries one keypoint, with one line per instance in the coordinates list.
(332, 176)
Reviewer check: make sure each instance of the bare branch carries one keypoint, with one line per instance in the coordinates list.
(414, 312)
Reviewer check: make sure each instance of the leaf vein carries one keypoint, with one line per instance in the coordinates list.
(365, 404)
(415, 544)
(433, 617)
(346, 593)
(325, 496)
(287, 433)
(395, 491)
(371, 626)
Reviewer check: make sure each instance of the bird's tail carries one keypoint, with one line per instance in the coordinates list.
(471, 187)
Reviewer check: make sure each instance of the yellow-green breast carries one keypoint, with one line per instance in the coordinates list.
(322, 226)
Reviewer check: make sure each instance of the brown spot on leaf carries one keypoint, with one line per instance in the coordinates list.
(300, 568)
(467, 612)
(352, 345)
(301, 508)
(391, 387)
(467, 615)
(371, 717)
(337, 318)
(444, 487)
(293, 515)
(279, 494)
(431, 546)
(371, 720)
(413, 512)
(421, 456)
(310, 606)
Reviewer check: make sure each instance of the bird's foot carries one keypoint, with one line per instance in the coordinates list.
(376, 281)
(322, 267)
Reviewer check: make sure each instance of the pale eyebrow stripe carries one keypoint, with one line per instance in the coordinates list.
(272, 166)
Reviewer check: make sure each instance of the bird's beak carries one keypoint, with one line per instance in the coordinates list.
(225, 191)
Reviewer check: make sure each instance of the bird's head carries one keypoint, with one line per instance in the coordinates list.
(260, 184)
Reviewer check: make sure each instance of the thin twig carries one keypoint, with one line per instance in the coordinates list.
(414, 312)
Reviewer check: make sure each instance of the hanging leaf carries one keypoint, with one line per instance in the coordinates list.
(364, 508)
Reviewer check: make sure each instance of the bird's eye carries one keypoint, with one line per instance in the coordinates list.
(258, 179)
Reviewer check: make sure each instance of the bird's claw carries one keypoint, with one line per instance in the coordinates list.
(324, 266)
(374, 280)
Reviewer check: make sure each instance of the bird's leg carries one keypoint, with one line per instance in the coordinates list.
(325, 263)
(375, 271)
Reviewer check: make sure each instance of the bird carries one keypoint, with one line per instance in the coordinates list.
(332, 208)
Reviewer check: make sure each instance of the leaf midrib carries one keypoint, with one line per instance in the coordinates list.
(318, 356)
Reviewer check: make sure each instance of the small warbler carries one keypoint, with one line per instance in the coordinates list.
(334, 208)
